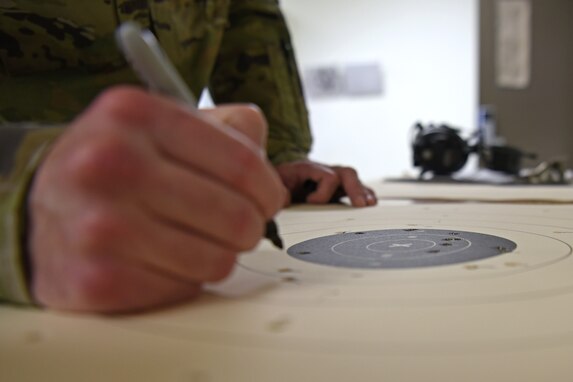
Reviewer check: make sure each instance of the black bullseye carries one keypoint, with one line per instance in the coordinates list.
(400, 248)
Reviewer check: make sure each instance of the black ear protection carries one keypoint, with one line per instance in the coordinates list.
(439, 149)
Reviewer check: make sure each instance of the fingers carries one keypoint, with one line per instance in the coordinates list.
(191, 166)
(360, 195)
(187, 199)
(327, 182)
(184, 254)
(201, 143)
(89, 261)
(247, 119)
(316, 183)
(141, 200)
(133, 235)
(116, 257)
(224, 154)
(110, 286)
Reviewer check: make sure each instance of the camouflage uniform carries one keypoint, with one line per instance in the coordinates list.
(57, 55)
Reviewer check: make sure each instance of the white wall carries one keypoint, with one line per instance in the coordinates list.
(427, 50)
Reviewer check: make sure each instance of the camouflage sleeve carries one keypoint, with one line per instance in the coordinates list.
(256, 64)
(57, 56)
(21, 149)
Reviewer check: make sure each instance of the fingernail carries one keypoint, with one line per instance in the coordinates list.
(371, 199)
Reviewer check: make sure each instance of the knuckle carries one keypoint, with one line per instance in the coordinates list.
(96, 287)
(221, 266)
(245, 226)
(254, 116)
(247, 164)
(346, 171)
(331, 178)
(106, 162)
(280, 197)
(98, 230)
(84, 161)
(351, 172)
(125, 104)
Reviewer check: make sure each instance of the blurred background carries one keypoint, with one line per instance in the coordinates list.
(373, 68)
(426, 53)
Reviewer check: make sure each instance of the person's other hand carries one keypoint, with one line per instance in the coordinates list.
(311, 182)
(141, 201)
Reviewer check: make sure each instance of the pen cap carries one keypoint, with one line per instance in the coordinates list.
(143, 52)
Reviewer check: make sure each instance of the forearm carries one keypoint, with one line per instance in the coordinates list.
(21, 149)
(257, 65)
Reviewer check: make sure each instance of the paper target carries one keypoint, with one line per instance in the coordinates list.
(400, 248)
(393, 306)
(315, 301)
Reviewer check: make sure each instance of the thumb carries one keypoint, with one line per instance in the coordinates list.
(247, 119)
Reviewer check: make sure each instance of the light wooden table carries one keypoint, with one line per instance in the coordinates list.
(505, 318)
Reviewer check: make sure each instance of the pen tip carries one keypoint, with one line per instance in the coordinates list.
(278, 242)
(272, 234)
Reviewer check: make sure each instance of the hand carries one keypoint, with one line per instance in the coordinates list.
(312, 182)
(141, 200)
